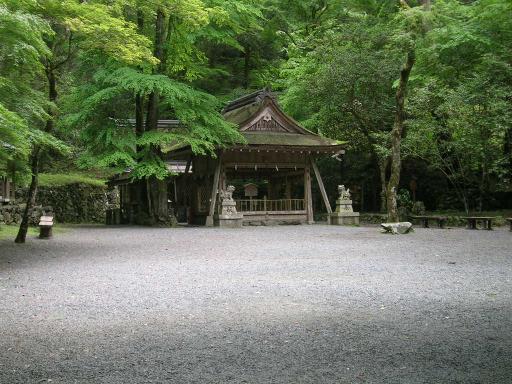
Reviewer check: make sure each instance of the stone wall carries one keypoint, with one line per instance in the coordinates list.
(11, 214)
(75, 203)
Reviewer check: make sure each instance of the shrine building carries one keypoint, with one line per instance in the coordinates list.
(272, 172)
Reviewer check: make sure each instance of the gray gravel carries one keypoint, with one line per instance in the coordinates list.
(296, 304)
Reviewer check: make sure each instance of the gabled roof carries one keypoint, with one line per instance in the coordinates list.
(262, 114)
(262, 122)
(252, 98)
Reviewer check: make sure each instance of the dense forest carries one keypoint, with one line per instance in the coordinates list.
(420, 90)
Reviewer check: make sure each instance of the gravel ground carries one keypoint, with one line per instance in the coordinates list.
(295, 304)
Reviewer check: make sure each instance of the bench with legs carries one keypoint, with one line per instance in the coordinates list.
(486, 220)
(441, 220)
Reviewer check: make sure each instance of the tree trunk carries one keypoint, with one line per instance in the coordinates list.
(34, 158)
(159, 204)
(465, 202)
(137, 189)
(396, 137)
(139, 99)
(383, 165)
(247, 63)
(156, 190)
(34, 167)
(507, 149)
(482, 188)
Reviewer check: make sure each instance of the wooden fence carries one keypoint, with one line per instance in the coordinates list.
(265, 205)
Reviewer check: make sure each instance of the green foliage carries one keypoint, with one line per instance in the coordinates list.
(60, 179)
(100, 29)
(404, 199)
(21, 47)
(14, 136)
(460, 107)
(108, 98)
(337, 64)
(459, 91)
(343, 88)
(113, 143)
(9, 231)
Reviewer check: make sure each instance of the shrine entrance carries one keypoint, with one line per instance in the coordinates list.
(269, 194)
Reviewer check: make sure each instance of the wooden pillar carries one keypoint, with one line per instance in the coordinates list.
(288, 193)
(7, 189)
(189, 164)
(288, 188)
(223, 179)
(215, 189)
(270, 189)
(308, 194)
(322, 189)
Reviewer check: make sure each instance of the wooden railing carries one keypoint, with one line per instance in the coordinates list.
(265, 205)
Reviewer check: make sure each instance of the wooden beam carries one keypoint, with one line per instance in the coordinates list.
(321, 185)
(189, 163)
(215, 187)
(307, 194)
(262, 164)
(223, 179)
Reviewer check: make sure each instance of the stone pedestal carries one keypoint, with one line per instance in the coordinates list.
(229, 217)
(344, 214)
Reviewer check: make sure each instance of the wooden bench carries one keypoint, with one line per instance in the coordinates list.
(487, 220)
(509, 219)
(45, 227)
(441, 220)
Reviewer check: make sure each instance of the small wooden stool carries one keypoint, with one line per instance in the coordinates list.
(45, 227)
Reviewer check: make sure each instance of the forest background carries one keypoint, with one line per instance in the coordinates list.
(420, 90)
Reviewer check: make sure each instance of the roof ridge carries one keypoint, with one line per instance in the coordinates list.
(254, 97)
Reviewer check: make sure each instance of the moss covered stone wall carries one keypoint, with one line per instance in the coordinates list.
(75, 203)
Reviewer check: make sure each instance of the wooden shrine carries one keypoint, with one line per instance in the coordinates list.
(276, 163)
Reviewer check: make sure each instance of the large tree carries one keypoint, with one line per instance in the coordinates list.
(73, 25)
(179, 31)
(460, 106)
(344, 88)
(21, 105)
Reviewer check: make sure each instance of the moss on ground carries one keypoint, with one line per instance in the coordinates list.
(9, 232)
(60, 179)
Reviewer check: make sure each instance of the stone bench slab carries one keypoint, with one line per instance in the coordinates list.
(397, 228)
